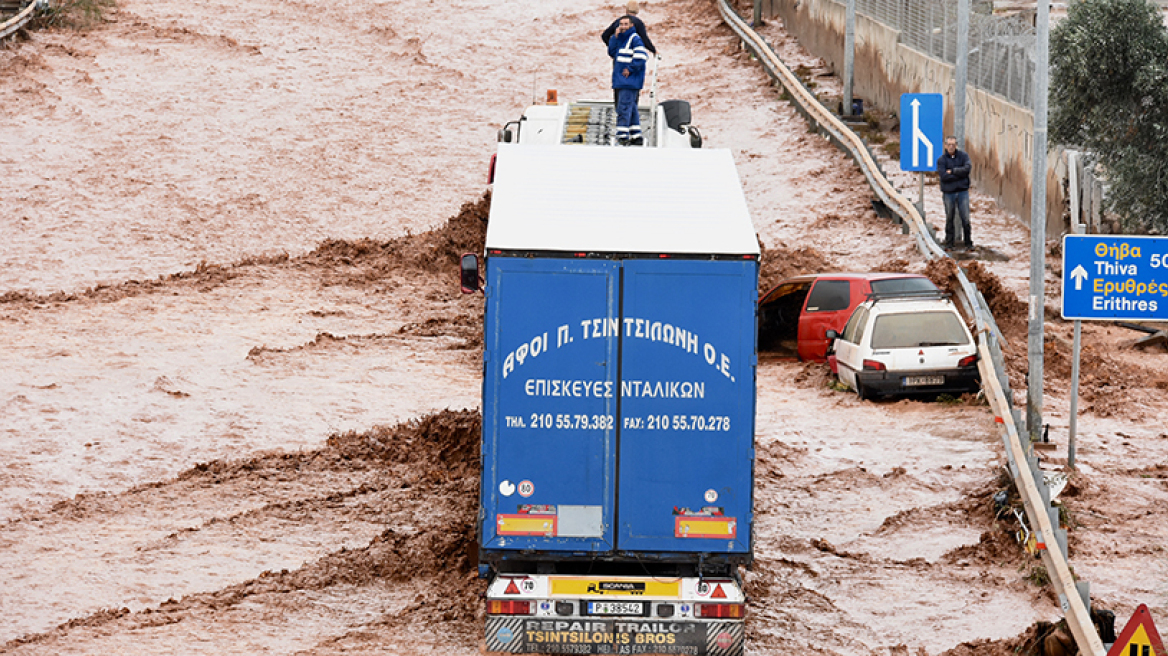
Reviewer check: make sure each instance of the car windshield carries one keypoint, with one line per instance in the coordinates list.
(913, 329)
(900, 285)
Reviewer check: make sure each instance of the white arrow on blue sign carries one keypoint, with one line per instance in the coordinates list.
(922, 132)
(1108, 277)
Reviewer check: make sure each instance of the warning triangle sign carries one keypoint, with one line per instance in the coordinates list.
(511, 588)
(1139, 637)
(718, 593)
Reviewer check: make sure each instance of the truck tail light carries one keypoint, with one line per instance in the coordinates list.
(495, 607)
(874, 365)
(722, 611)
(491, 170)
(967, 361)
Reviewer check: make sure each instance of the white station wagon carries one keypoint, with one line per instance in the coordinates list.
(906, 344)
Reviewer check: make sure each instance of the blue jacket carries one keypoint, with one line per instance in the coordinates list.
(628, 53)
(959, 163)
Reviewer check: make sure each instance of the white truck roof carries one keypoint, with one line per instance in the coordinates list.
(612, 199)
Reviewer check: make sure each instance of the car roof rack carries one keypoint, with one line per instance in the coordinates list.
(908, 295)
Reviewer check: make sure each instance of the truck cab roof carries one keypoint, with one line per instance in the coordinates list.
(619, 200)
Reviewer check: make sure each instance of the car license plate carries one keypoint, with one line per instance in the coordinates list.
(616, 608)
(916, 381)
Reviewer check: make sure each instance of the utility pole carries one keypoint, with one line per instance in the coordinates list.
(1035, 337)
(849, 55)
(962, 72)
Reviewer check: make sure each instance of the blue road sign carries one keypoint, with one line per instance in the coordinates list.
(922, 133)
(1110, 277)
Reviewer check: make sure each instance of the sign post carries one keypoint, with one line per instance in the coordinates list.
(921, 118)
(1111, 278)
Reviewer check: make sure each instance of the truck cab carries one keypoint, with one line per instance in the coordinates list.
(618, 401)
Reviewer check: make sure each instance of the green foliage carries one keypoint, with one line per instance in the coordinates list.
(1038, 576)
(74, 13)
(892, 149)
(1109, 94)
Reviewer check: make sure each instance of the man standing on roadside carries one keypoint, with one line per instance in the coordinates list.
(953, 166)
(628, 76)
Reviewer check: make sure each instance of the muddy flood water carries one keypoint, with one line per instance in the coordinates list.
(239, 392)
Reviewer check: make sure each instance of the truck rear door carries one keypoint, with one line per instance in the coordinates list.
(685, 447)
(619, 405)
(550, 404)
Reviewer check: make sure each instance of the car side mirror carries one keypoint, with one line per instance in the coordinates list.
(469, 276)
(831, 334)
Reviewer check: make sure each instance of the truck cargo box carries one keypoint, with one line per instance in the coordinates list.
(619, 378)
(618, 401)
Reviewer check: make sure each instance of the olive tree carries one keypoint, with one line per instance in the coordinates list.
(1109, 95)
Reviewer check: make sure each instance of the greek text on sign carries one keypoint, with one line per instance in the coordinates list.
(1111, 277)
(686, 341)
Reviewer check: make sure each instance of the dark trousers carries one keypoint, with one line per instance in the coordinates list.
(628, 117)
(956, 209)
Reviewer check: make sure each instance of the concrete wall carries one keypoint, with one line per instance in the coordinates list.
(999, 135)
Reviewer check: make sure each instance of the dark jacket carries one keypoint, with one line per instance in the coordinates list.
(628, 53)
(959, 163)
(638, 25)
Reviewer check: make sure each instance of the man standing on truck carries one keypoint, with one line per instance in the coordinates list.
(953, 166)
(631, 10)
(629, 58)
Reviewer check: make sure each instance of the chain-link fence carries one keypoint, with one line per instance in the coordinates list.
(1001, 49)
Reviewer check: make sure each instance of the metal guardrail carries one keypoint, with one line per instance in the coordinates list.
(18, 21)
(1023, 463)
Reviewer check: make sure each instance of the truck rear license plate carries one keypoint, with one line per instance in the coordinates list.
(914, 381)
(616, 608)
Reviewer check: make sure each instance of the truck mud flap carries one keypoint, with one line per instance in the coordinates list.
(530, 635)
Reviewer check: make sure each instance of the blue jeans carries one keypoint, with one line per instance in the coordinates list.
(957, 203)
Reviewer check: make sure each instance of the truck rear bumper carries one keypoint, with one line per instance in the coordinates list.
(595, 635)
(569, 614)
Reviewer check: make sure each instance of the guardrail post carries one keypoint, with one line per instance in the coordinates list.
(1084, 588)
(1060, 535)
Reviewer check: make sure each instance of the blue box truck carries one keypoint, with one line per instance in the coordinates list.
(618, 401)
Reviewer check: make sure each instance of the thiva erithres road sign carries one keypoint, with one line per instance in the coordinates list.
(922, 135)
(1115, 277)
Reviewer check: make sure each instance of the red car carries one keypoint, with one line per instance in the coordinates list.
(794, 316)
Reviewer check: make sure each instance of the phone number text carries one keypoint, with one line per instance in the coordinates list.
(551, 421)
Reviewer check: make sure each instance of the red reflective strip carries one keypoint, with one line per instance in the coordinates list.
(722, 611)
(509, 607)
